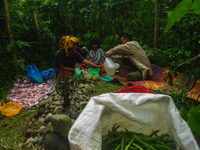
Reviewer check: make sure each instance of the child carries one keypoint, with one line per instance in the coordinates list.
(96, 54)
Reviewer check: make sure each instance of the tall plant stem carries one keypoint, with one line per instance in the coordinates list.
(10, 33)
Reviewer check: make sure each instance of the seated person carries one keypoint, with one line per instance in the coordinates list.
(96, 54)
(67, 57)
(83, 51)
(136, 60)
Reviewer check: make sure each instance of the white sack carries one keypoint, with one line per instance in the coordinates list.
(138, 112)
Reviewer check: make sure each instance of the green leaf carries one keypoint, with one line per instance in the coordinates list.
(13, 24)
(18, 29)
(84, 9)
(188, 53)
(106, 4)
(20, 14)
(181, 9)
(9, 46)
(26, 44)
(180, 61)
(194, 119)
(179, 81)
(169, 14)
(49, 21)
(56, 4)
(22, 43)
(196, 6)
(87, 35)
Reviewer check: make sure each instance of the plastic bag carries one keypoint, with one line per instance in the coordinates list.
(106, 78)
(79, 72)
(135, 89)
(117, 65)
(9, 109)
(94, 73)
(99, 71)
(139, 112)
(34, 74)
(48, 74)
(109, 66)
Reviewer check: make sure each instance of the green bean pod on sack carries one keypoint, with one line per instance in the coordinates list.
(129, 140)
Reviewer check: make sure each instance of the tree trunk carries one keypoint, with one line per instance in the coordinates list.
(11, 37)
(156, 26)
(36, 23)
(66, 23)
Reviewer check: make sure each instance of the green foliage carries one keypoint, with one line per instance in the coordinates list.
(67, 86)
(22, 43)
(171, 58)
(194, 120)
(196, 6)
(105, 19)
(14, 129)
(181, 9)
(84, 19)
(149, 51)
(178, 95)
(9, 47)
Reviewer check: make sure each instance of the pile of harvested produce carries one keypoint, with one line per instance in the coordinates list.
(128, 140)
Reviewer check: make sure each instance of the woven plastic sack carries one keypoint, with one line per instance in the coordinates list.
(48, 74)
(135, 89)
(139, 112)
(94, 73)
(10, 109)
(34, 74)
(79, 72)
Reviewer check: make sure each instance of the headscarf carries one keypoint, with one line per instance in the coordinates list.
(67, 42)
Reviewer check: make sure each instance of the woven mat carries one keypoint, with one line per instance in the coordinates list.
(156, 82)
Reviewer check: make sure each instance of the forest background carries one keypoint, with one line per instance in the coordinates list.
(38, 25)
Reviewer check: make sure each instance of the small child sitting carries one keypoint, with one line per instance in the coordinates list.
(96, 54)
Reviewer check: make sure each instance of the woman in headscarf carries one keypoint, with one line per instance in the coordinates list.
(67, 57)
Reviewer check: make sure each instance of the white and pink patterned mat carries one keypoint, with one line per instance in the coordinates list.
(28, 94)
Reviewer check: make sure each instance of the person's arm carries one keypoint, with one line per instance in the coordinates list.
(62, 67)
(119, 50)
(91, 64)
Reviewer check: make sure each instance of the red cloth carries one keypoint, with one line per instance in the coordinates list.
(69, 73)
(82, 65)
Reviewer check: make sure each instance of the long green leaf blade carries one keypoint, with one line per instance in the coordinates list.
(181, 9)
(196, 6)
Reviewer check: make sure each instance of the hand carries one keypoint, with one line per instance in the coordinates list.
(99, 66)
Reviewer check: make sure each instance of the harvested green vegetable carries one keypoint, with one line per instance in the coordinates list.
(129, 140)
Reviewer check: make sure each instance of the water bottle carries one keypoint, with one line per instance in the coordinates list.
(109, 66)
